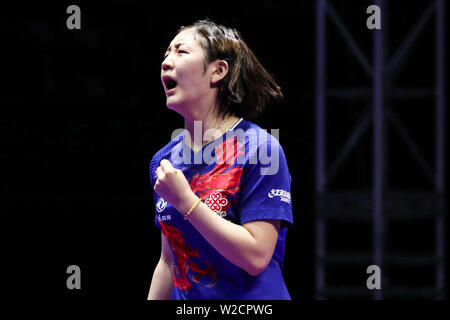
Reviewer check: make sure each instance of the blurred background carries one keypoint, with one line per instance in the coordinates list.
(362, 125)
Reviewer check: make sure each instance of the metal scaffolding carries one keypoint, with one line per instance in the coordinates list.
(379, 205)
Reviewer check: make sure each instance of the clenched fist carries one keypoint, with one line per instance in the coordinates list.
(172, 186)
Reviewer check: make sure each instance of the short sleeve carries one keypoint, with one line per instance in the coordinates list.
(154, 163)
(266, 185)
(164, 153)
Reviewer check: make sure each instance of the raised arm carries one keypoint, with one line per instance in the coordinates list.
(249, 246)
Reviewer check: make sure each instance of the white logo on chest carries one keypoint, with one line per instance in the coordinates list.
(161, 205)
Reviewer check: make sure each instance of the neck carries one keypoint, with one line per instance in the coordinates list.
(208, 128)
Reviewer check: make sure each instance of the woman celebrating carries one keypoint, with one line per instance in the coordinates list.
(223, 222)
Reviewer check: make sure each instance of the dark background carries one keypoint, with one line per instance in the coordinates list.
(82, 113)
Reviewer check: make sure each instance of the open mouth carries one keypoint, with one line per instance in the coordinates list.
(169, 83)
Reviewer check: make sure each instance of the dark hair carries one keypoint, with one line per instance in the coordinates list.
(248, 87)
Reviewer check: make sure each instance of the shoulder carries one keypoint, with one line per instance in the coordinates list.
(256, 138)
(264, 154)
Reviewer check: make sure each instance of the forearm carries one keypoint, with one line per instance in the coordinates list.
(233, 241)
(162, 282)
(249, 246)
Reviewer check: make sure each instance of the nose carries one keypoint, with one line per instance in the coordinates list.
(167, 64)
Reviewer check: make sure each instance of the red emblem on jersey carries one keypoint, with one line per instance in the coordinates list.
(187, 259)
(225, 175)
(215, 201)
(219, 181)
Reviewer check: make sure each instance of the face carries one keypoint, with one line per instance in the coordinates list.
(184, 79)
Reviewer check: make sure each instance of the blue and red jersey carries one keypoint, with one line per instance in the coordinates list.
(248, 180)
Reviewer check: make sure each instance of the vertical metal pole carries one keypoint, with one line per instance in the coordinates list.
(440, 145)
(320, 143)
(378, 149)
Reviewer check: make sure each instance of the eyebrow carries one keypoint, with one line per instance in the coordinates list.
(177, 45)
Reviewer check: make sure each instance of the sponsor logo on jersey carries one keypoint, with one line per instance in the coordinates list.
(161, 205)
(164, 217)
(284, 195)
(222, 214)
(216, 202)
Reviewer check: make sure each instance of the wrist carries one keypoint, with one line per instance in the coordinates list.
(187, 203)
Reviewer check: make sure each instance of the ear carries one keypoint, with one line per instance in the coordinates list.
(219, 71)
